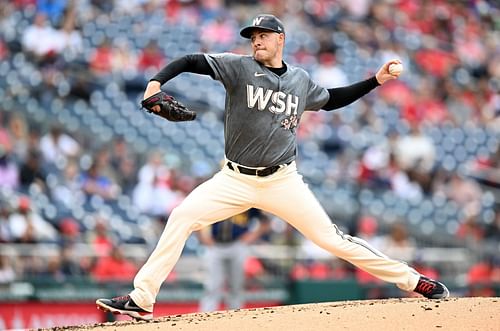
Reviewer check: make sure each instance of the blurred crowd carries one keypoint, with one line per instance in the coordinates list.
(451, 53)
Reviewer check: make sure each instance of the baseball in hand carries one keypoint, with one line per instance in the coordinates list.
(396, 69)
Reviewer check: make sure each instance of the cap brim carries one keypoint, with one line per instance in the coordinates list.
(247, 31)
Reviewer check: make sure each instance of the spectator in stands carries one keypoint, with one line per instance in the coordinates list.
(19, 131)
(483, 276)
(299, 271)
(185, 12)
(24, 3)
(400, 181)
(119, 151)
(103, 6)
(114, 267)
(94, 182)
(5, 231)
(69, 230)
(334, 144)
(103, 161)
(72, 265)
(53, 9)
(32, 173)
(470, 230)
(71, 38)
(57, 147)
(127, 7)
(492, 231)
(219, 34)
(126, 175)
(51, 270)
(328, 72)
(425, 107)
(331, 268)
(305, 57)
(151, 58)
(415, 150)
(7, 271)
(491, 110)
(374, 167)
(41, 40)
(67, 192)
(424, 179)
(465, 192)
(486, 169)
(9, 169)
(34, 137)
(213, 9)
(398, 243)
(101, 59)
(124, 58)
(32, 265)
(460, 103)
(27, 226)
(182, 185)
(124, 165)
(155, 180)
(323, 13)
(100, 237)
(4, 51)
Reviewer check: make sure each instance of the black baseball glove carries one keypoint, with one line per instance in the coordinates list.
(170, 108)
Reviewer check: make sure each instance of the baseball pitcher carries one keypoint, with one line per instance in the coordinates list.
(265, 99)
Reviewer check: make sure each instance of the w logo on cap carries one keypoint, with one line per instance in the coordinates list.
(264, 22)
(257, 20)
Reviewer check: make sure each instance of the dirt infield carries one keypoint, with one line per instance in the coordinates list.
(393, 314)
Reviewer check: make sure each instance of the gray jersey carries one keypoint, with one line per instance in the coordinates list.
(263, 109)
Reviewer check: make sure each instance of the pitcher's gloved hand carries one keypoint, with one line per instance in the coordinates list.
(170, 108)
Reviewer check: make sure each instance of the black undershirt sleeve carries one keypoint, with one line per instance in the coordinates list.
(195, 63)
(343, 96)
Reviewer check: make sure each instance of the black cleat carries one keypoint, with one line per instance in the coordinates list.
(124, 305)
(431, 289)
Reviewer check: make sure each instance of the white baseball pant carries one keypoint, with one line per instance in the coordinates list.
(283, 194)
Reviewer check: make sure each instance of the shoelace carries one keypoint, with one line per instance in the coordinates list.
(122, 298)
(425, 286)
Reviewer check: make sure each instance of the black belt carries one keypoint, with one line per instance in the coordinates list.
(256, 172)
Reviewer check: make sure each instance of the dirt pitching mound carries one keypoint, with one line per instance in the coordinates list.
(392, 314)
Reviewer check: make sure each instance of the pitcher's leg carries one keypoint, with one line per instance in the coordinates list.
(216, 199)
(296, 204)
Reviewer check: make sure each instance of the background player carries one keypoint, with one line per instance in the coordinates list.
(226, 250)
(265, 98)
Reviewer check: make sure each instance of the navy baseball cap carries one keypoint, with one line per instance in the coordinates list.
(265, 22)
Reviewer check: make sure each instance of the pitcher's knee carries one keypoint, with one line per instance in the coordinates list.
(182, 217)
